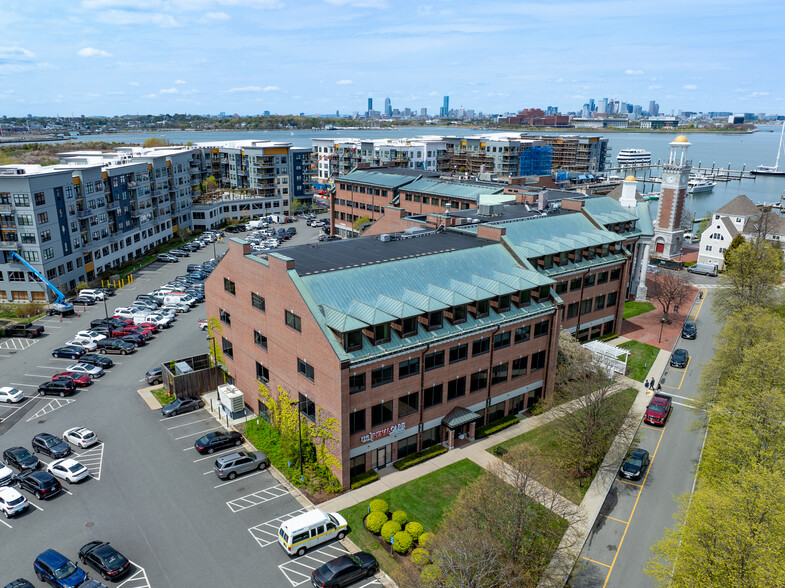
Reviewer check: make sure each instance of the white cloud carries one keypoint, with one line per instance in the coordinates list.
(93, 52)
(180, 82)
(756, 94)
(634, 72)
(344, 82)
(153, 95)
(127, 17)
(169, 91)
(133, 83)
(245, 89)
(270, 89)
(690, 87)
(15, 53)
(215, 17)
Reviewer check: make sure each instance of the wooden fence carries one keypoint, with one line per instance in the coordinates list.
(204, 378)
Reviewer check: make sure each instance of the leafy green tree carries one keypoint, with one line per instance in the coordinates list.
(734, 244)
(358, 223)
(154, 142)
(754, 273)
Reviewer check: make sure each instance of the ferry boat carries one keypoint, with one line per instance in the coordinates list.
(633, 158)
(699, 185)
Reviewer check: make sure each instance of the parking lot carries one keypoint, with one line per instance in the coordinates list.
(149, 492)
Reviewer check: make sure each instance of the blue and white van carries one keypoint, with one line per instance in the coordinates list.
(303, 532)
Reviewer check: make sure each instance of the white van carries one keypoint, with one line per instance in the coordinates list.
(174, 297)
(705, 269)
(306, 531)
(94, 294)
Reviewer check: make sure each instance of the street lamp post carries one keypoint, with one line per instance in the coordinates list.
(662, 325)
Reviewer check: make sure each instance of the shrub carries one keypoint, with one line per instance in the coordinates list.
(539, 407)
(430, 574)
(419, 457)
(380, 505)
(403, 542)
(497, 425)
(420, 557)
(82, 286)
(400, 517)
(425, 540)
(414, 529)
(499, 451)
(361, 480)
(389, 529)
(609, 337)
(374, 521)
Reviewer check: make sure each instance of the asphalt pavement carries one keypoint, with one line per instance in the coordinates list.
(150, 494)
(636, 513)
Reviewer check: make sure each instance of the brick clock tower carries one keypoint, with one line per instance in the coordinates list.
(668, 234)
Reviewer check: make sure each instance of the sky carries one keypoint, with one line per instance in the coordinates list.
(114, 57)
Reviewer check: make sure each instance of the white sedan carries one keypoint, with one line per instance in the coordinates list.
(9, 394)
(86, 345)
(89, 336)
(68, 469)
(12, 501)
(80, 437)
(176, 306)
(85, 368)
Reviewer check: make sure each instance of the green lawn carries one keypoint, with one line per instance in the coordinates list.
(424, 500)
(641, 359)
(544, 445)
(161, 396)
(632, 308)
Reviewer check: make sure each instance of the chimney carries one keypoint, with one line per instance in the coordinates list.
(628, 189)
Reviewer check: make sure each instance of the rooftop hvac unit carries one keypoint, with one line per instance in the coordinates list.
(384, 238)
(490, 209)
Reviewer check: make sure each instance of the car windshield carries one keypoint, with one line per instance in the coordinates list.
(656, 408)
(23, 454)
(65, 570)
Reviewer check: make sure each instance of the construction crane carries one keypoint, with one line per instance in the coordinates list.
(59, 306)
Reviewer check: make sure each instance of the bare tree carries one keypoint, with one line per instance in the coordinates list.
(668, 289)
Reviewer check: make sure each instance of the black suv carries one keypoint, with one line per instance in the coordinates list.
(20, 458)
(51, 445)
(105, 559)
(114, 346)
(99, 360)
(57, 388)
(41, 483)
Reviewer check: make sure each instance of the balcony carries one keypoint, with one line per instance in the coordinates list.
(10, 246)
(84, 213)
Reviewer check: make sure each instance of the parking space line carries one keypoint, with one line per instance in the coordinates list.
(6, 524)
(654, 428)
(53, 367)
(37, 375)
(190, 423)
(192, 434)
(67, 492)
(177, 416)
(634, 506)
(682, 404)
(682, 397)
(257, 498)
(256, 473)
(28, 385)
(615, 519)
(630, 483)
(35, 505)
(51, 406)
(214, 455)
(267, 533)
(599, 563)
(300, 568)
(138, 579)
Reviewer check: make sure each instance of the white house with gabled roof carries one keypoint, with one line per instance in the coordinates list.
(726, 223)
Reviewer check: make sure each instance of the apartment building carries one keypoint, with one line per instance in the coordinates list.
(417, 338)
(576, 153)
(214, 211)
(498, 153)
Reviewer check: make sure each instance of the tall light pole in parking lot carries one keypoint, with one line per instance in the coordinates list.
(106, 311)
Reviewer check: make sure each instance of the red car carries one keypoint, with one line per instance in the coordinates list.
(137, 330)
(658, 410)
(149, 326)
(78, 379)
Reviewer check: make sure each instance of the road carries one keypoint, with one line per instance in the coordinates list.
(150, 493)
(635, 514)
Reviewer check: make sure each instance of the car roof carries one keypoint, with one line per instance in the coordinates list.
(52, 558)
(8, 493)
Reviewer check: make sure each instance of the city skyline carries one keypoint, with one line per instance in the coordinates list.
(112, 57)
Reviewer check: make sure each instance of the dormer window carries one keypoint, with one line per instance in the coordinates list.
(547, 261)
(435, 320)
(409, 326)
(353, 340)
(504, 303)
(578, 255)
(605, 250)
(590, 253)
(458, 314)
(483, 307)
(563, 257)
(525, 298)
(381, 333)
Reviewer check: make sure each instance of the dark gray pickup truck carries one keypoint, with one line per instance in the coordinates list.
(28, 330)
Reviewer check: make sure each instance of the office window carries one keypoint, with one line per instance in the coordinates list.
(262, 373)
(575, 284)
(572, 310)
(293, 321)
(304, 369)
(586, 306)
(481, 346)
(523, 333)
(356, 383)
(499, 374)
(43, 218)
(456, 388)
(409, 326)
(226, 345)
(307, 407)
(46, 236)
(479, 381)
(256, 301)
(519, 367)
(482, 308)
(381, 333)
(381, 413)
(224, 316)
(408, 368)
(260, 339)
(599, 302)
(40, 200)
(615, 274)
(432, 396)
(434, 360)
(538, 361)
(408, 404)
(459, 353)
(382, 375)
(611, 299)
(229, 286)
(353, 340)
(21, 199)
(27, 238)
(541, 329)
(356, 421)
(501, 340)
(561, 287)
(588, 281)
(602, 277)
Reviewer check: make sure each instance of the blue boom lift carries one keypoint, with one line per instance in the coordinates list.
(59, 306)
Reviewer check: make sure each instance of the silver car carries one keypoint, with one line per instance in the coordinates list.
(228, 466)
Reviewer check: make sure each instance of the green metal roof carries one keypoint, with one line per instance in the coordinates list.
(380, 179)
(459, 416)
(466, 191)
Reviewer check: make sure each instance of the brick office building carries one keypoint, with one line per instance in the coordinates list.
(418, 340)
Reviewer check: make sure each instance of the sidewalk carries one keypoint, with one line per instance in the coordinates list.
(647, 327)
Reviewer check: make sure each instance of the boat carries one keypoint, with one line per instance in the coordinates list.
(652, 196)
(768, 170)
(633, 158)
(699, 185)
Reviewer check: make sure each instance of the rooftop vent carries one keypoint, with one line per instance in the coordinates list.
(490, 209)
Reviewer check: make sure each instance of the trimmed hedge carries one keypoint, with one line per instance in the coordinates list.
(420, 557)
(361, 480)
(374, 521)
(419, 457)
(389, 529)
(400, 517)
(380, 505)
(403, 542)
(609, 337)
(497, 425)
(415, 529)
(425, 540)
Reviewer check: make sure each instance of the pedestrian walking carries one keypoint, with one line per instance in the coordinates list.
(646, 384)
(652, 384)
(659, 386)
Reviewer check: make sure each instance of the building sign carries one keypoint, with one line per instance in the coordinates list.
(383, 432)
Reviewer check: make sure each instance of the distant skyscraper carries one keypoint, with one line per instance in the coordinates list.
(370, 106)
(387, 107)
(604, 106)
(654, 108)
(423, 112)
(592, 107)
(445, 109)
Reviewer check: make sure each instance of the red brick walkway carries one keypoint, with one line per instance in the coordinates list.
(646, 327)
(688, 254)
